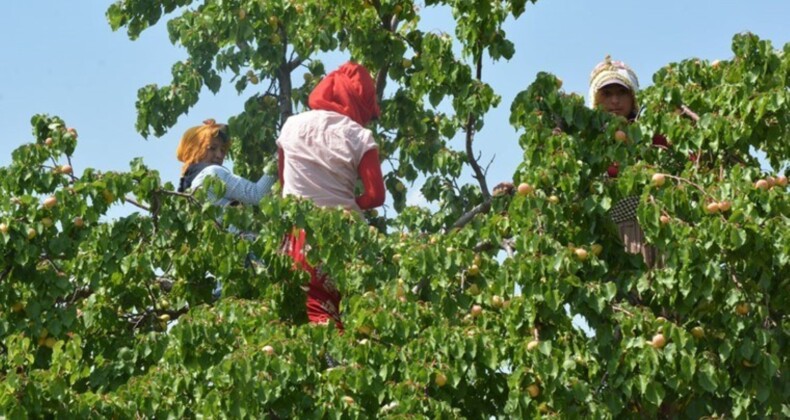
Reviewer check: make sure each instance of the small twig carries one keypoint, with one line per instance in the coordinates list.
(52, 263)
(697, 186)
(618, 308)
(507, 244)
(702, 190)
(688, 112)
(485, 171)
(80, 293)
(178, 194)
(737, 283)
(463, 281)
(136, 204)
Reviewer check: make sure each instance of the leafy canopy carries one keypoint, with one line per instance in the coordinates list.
(433, 326)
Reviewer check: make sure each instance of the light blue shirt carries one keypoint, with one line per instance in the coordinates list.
(236, 187)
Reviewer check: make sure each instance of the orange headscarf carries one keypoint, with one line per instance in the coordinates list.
(350, 91)
(194, 143)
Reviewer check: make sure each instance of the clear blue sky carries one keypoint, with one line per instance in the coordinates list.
(60, 57)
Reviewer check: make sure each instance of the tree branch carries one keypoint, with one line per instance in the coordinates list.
(468, 216)
(507, 245)
(689, 113)
(284, 78)
(470, 136)
(618, 308)
(136, 204)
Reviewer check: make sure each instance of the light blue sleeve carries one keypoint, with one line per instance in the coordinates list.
(236, 187)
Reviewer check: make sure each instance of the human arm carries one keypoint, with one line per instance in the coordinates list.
(236, 187)
(369, 172)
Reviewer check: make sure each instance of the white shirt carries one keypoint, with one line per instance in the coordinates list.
(236, 187)
(322, 151)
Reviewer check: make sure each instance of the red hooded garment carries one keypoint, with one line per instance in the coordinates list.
(350, 91)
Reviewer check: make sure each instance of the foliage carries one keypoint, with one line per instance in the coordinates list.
(115, 318)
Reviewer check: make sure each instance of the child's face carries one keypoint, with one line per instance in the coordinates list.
(616, 99)
(215, 153)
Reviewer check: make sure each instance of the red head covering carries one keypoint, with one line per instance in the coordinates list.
(350, 91)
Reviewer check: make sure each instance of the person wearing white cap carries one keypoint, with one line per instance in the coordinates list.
(613, 86)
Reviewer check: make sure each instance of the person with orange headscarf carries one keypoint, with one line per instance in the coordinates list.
(322, 154)
(202, 149)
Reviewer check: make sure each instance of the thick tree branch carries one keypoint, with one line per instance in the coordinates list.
(381, 82)
(470, 136)
(468, 216)
(284, 78)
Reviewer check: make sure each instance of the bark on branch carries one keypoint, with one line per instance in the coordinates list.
(468, 216)
(470, 136)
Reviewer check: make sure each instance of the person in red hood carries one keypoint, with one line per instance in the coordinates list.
(322, 154)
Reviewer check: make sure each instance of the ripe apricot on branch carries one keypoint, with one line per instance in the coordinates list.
(742, 308)
(533, 390)
(762, 185)
(473, 270)
(581, 254)
(620, 135)
(525, 189)
(698, 332)
(658, 341)
(440, 380)
(658, 179)
(50, 202)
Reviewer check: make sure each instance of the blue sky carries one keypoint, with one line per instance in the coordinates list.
(62, 58)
